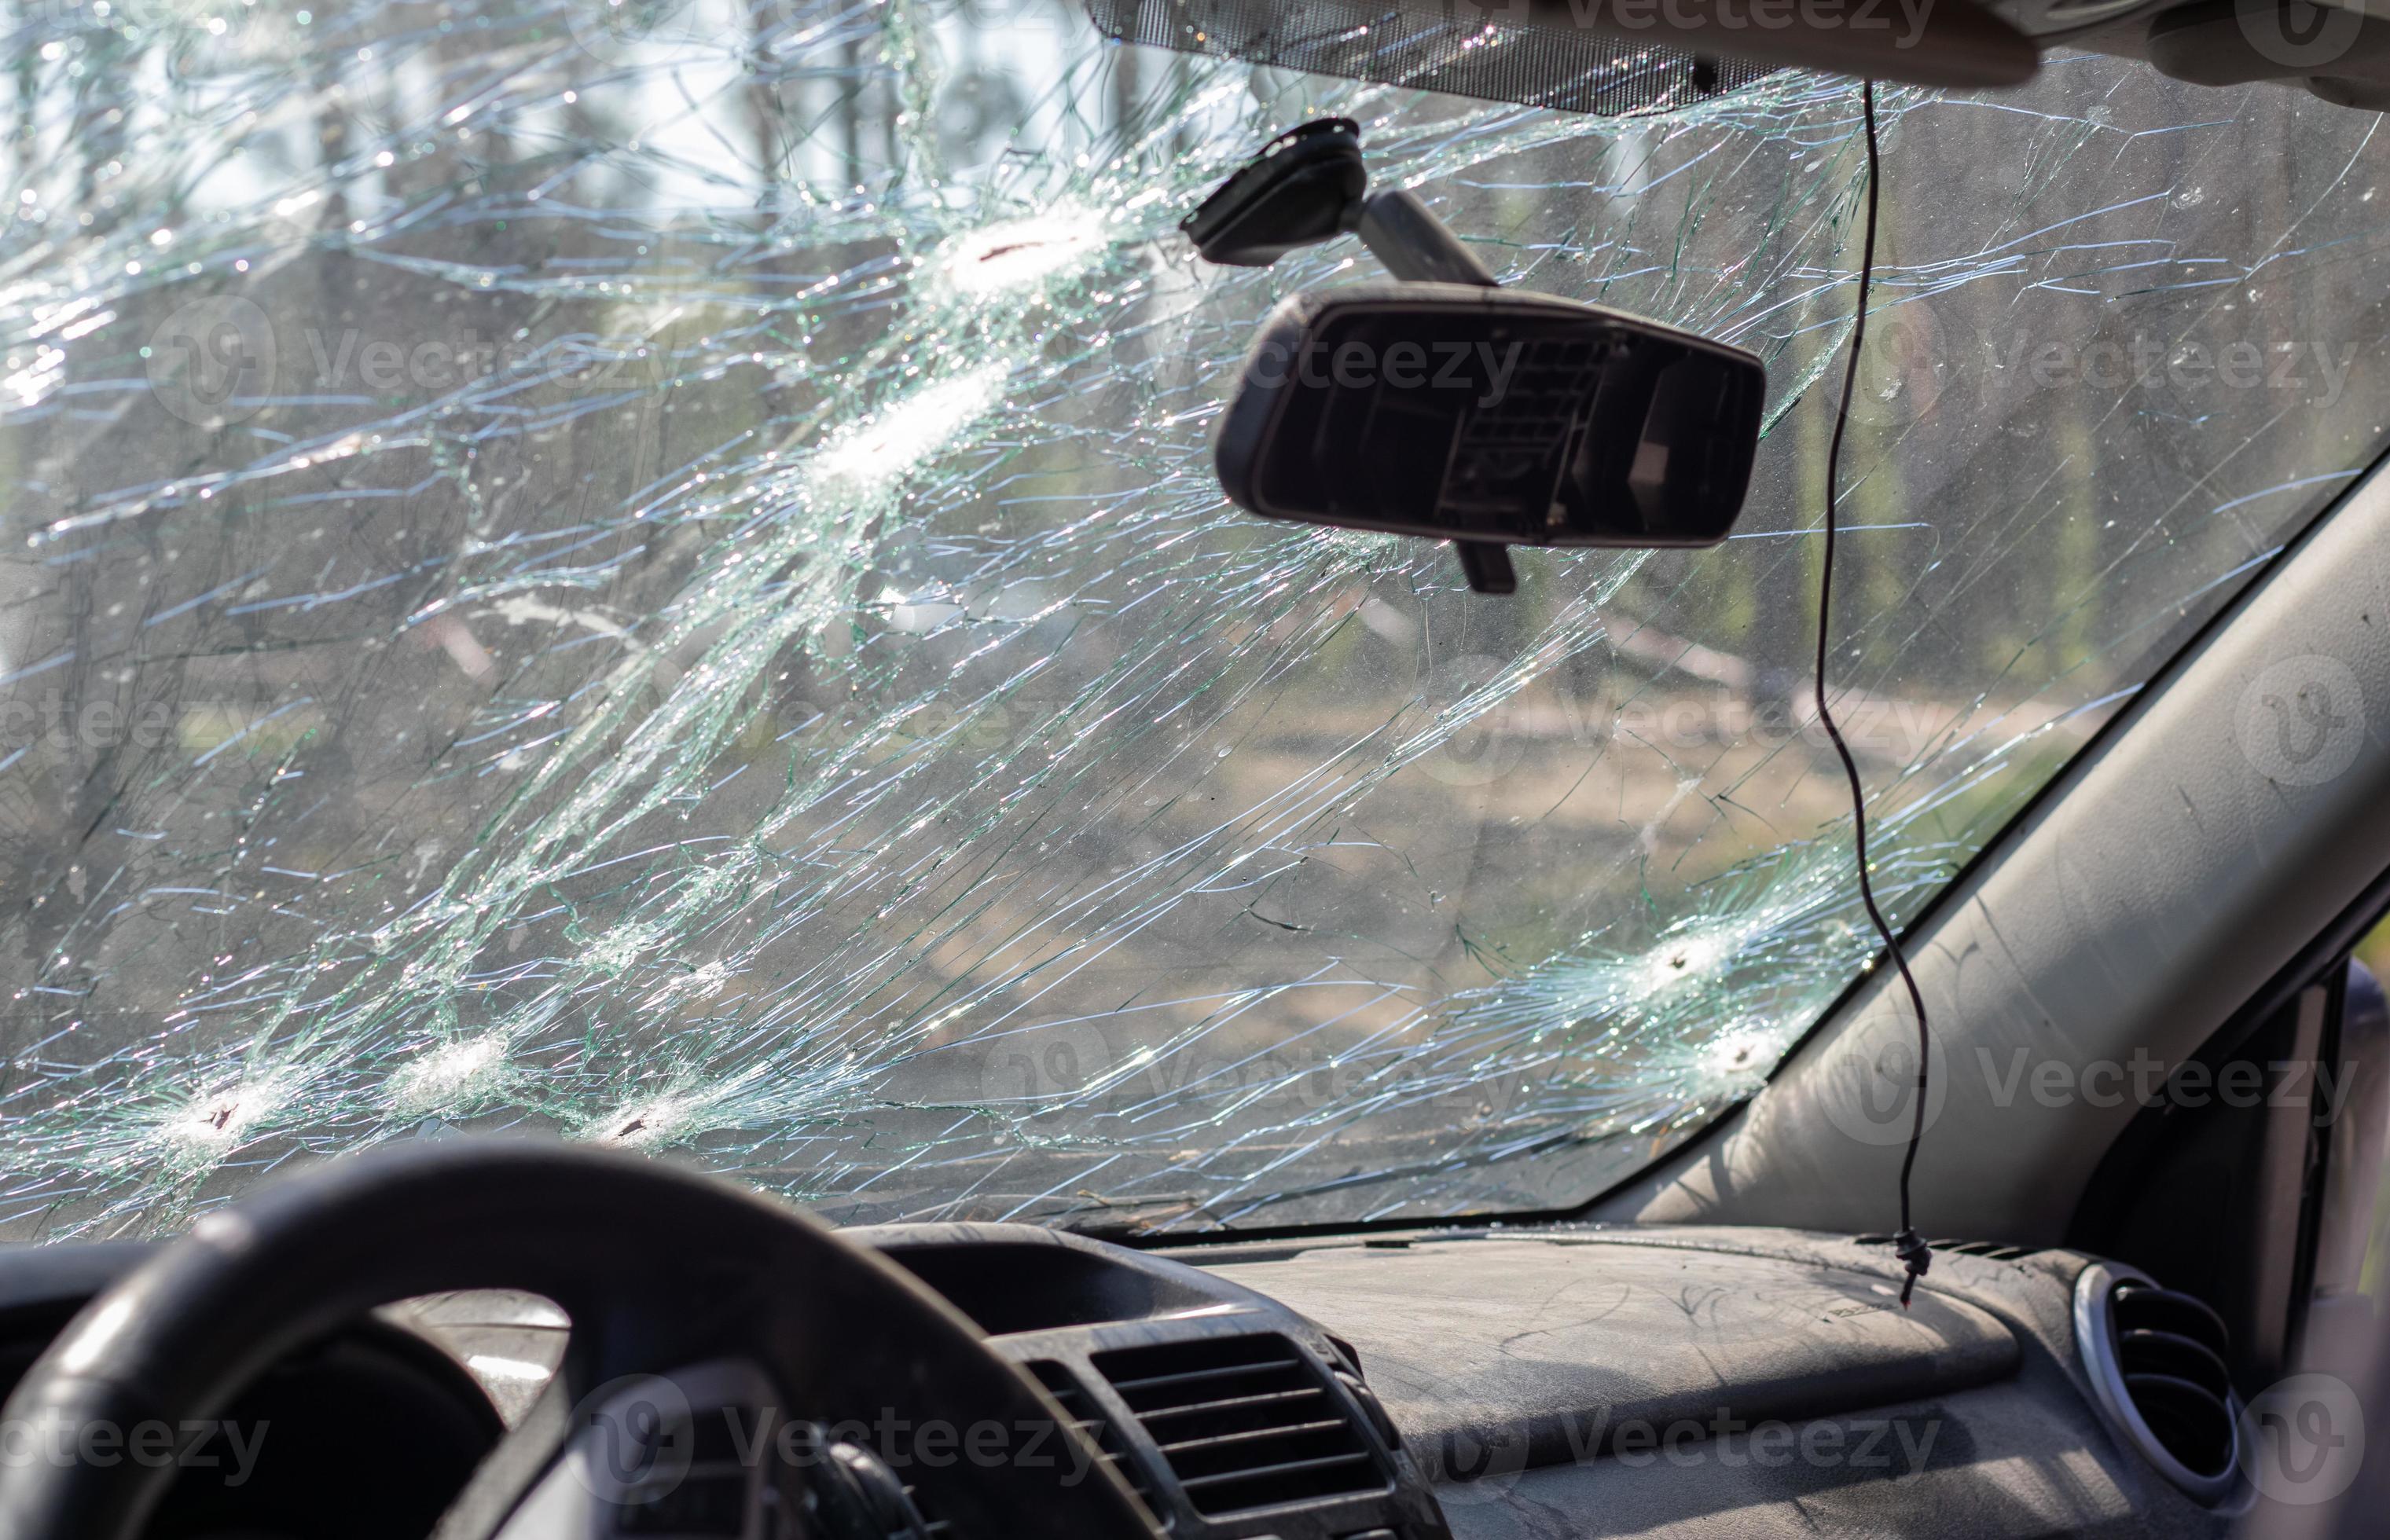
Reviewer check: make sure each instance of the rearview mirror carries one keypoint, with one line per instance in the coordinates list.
(1490, 417)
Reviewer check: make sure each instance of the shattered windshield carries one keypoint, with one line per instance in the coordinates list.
(653, 572)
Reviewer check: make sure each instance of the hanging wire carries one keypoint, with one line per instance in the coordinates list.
(1914, 1254)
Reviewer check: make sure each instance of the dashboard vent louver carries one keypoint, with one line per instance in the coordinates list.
(2171, 1348)
(1244, 1422)
(1064, 1387)
(2158, 1360)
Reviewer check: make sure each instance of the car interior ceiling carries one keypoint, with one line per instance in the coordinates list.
(874, 929)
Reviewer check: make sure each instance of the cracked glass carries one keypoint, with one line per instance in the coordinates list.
(652, 572)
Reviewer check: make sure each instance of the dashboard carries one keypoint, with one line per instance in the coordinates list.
(1476, 1383)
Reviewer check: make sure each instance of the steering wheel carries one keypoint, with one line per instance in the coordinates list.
(689, 1299)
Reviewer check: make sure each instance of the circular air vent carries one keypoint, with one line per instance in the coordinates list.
(2156, 1361)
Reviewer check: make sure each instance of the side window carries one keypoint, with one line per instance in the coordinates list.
(2253, 1178)
(2352, 1265)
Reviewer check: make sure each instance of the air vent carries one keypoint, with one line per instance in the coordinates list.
(1065, 1389)
(1245, 1423)
(2157, 1360)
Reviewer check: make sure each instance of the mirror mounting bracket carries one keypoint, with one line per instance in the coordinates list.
(1309, 186)
(1615, 432)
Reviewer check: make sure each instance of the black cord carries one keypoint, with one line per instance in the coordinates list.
(1907, 1245)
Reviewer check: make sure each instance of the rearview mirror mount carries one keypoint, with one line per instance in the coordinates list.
(1444, 406)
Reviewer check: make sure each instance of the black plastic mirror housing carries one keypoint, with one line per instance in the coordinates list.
(1490, 417)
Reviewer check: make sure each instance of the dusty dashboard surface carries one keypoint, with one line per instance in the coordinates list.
(1572, 1383)
(1568, 1381)
(1552, 1381)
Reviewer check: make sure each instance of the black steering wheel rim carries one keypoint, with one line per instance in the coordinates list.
(656, 1266)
